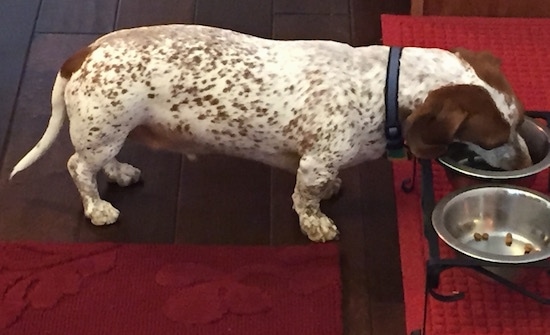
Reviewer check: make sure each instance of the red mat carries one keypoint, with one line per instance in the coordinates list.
(169, 289)
(488, 308)
(522, 44)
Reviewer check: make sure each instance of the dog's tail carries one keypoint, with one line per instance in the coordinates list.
(54, 126)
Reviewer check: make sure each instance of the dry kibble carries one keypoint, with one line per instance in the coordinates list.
(485, 236)
(528, 248)
(477, 237)
(508, 240)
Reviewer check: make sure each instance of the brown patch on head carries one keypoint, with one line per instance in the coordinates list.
(487, 67)
(73, 63)
(458, 112)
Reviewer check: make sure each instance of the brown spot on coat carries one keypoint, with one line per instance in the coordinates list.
(73, 63)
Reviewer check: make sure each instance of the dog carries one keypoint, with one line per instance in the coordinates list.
(308, 107)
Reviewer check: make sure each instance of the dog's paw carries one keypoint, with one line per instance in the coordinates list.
(318, 228)
(332, 189)
(123, 174)
(101, 212)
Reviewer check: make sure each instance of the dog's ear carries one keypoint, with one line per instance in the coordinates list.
(458, 112)
(432, 127)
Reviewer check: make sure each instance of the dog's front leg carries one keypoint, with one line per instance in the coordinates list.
(332, 189)
(121, 173)
(314, 181)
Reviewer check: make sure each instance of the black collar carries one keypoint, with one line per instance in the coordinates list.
(394, 136)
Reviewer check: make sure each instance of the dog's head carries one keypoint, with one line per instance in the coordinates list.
(471, 114)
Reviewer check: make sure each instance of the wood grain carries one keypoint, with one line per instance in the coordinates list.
(310, 7)
(490, 8)
(301, 26)
(224, 200)
(135, 13)
(247, 16)
(40, 203)
(69, 16)
(17, 20)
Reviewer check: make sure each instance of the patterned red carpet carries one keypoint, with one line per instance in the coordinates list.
(169, 289)
(522, 44)
(488, 308)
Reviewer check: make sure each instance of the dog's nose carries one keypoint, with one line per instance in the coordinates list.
(523, 161)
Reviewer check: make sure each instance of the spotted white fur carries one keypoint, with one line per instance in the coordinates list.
(310, 107)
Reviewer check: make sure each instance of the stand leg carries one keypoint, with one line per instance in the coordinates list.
(407, 185)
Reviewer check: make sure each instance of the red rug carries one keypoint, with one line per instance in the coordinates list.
(488, 308)
(169, 289)
(522, 44)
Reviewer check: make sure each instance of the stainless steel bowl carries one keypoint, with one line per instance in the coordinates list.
(496, 210)
(464, 168)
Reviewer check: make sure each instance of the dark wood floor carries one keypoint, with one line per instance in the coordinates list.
(217, 200)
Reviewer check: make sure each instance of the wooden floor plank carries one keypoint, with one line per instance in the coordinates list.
(365, 18)
(247, 16)
(382, 247)
(17, 20)
(69, 16)
(388, 318)
(311, 7)
(302, 26)
(135, 13)
(402, 7)
(345, 210)
(363, 14)
(148, 209)
(224, 200)
(41, 202)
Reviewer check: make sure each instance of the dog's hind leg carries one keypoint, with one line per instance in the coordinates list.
(84, 165)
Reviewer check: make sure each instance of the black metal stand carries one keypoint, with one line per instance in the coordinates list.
(435, 265)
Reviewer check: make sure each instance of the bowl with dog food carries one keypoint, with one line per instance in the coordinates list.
(465, 168)
(498, 223)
